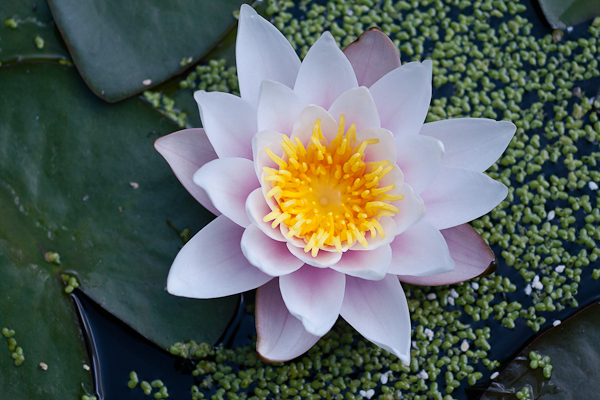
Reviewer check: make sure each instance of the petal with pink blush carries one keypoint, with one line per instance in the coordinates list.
(378, 310)
(420, 251)
(228, 182)
(256, 209)
(403, 96)
(370, 265)
(278, 108)
(211, 264)
(271, 257)
(262, 52)
(303, 126)
(471, 143)
(186, 151)
(323, 259)
(458, 195)
(281, 336)
(372, 56)
(314, 296)
(358, 108)
(411, 209)
(420, 159)
(471, 254)
(325, 73)
(229, 122)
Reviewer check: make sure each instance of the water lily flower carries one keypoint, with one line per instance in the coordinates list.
(329, 189)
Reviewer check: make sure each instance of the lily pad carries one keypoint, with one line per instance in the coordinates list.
(563, 13)
(123, 48)
(80, 178)
(28, 33)
(574, 351)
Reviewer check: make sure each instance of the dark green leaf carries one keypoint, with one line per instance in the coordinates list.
(82, 179)
(563, 13)
(117, 46)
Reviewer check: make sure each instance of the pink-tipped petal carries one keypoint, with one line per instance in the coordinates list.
(358, 108)
(281, 336)
(378, 310)
(278, 108)
(370, 265)
(324, 74)
(271, 257)
(420, 251)
(322, 260)
(228, 182)
(262, 52)
(303, 126)
(420, 159)
(372, 56)
(402, 97)
(211, 264)
(314, 296)
(459, 195)
(471, 254)
(256, 209)
(186, 151)
(412, 209)
(229, 122)
(471, 143)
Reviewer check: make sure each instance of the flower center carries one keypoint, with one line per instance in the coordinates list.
(326, 193)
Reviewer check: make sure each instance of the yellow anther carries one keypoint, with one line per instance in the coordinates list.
(277, 160)
(280, 219)
(272, 215)
(276, 190)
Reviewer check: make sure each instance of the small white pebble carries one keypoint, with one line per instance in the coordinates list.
(593, 185)
(537, 285)
(414, 344)
(475, 285)
(591, 100)
(43, 366)
(86, 367)
(384, 377)
(134, 185)
(147, 81)
(429, 334)
(431, 296)
(423, 374)
(551, 215)
(569, 29)
(451, 301)
(560, 268)
(495, 375)
(536, 278)
(528, 289)
(454, 293)
(368, 394)
(556, 323)
(464, 346)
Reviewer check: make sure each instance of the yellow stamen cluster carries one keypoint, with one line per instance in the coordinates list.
(326, 193)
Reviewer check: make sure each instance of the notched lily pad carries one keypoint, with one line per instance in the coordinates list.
(563, 13)
(124, 48)
(84, 180)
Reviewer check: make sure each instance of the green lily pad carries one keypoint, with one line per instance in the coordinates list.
(81, 178)
(28, 33)
(563, 13)
(124, 48)
(574, 351)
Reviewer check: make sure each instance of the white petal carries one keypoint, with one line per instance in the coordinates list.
(358, 108)
(458, 195)
(271, 257)
(186, 151)
(314, 296)
(229, 122)
(281, 336)
(322, 260)
(228, 182)
(420, 159)
(420, 251)
(256, 209)
(303, 126)
(411, 207)
(384, 150)
(389, 228)
(278, 108)
(260, 142)
(471, 143)
(378, 311)
(371, 265)
(211, 264)
(324, 74)
(402, 97)
(262, 52)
